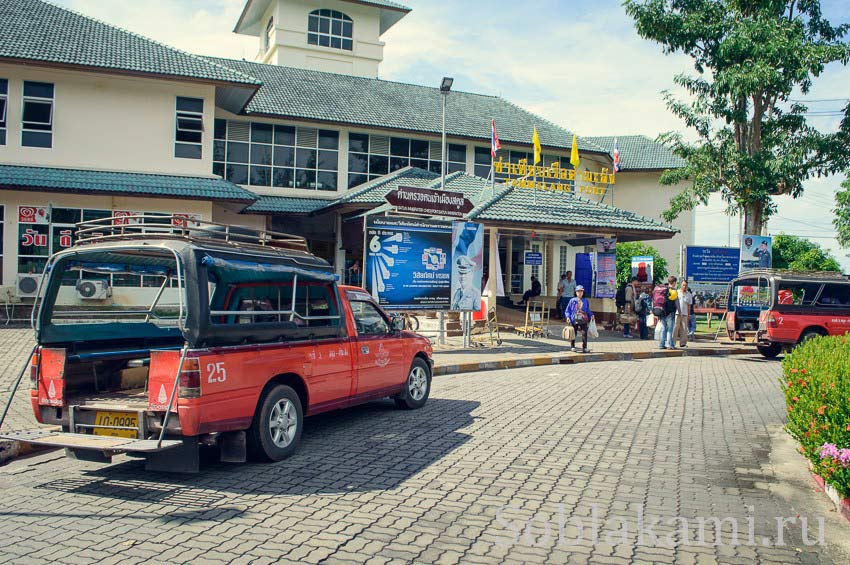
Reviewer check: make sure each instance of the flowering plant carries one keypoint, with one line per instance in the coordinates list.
(816, 383)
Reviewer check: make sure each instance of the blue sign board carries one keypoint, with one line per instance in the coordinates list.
(711, 264)
(533, 258)
(408, 262)
(584, 271)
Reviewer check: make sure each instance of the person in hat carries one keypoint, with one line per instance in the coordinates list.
(466, 296)
(579, 314)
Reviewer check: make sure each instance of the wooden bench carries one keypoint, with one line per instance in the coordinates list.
(710, 312)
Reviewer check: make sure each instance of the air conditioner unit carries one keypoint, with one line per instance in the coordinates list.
(93, 290)
(27, 285)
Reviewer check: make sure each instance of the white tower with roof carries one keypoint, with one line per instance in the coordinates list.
(337, 36)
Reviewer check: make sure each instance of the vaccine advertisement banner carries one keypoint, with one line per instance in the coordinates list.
(756, 252)
(467, 266)
(606, 275)
(711, 264)
(408, 263)
(643, 268)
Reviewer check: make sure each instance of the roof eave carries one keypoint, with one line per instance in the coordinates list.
(53, 189)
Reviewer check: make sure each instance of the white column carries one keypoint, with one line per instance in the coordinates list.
(339, 249)
(492, 268)
(509, 254)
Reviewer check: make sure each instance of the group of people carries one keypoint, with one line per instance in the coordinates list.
(673, 309)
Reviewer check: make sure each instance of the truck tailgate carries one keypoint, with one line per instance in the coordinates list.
(54, 438)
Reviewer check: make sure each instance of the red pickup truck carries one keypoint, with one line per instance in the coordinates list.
(232, 339)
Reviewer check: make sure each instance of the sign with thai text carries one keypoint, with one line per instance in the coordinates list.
(711, 264)
(417, 200)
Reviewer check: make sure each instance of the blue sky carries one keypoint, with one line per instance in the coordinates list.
(579, 64)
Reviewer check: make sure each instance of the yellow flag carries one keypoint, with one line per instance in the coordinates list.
(574, 154)
(535, 139)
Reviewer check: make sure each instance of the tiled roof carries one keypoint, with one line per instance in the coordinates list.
(13, 177)
(501, 203)
(328, 97)
(33, 30)
(383, 4)
(638, 152)
(284, 205)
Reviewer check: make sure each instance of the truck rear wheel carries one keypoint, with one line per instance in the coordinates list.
(770, 351)
(417, 387)
(276, 430)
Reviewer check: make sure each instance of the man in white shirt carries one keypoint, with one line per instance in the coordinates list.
(684, 308)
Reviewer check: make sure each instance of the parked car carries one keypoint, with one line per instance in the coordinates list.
(232, 338)
(779, 309)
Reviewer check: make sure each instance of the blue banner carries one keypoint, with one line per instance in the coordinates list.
(711, 264)
(408, 263)
(584, 272)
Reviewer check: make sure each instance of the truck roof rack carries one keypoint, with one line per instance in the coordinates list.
(822, 275)
(183, 227)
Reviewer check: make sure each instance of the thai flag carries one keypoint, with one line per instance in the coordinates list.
(616, 156)
(494, 139)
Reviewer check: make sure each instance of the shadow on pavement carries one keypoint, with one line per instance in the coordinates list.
(369, 447)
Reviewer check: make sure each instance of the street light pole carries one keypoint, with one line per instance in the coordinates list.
(445, 88)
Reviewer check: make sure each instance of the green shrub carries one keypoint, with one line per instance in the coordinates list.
(816, 382)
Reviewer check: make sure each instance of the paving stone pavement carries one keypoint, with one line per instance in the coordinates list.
(457, 481)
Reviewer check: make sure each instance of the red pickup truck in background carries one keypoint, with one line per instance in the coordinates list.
(234, 339)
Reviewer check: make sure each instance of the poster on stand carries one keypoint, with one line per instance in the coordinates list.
(606, 245)
(756, 252)
(606, 275)
(643, 268)
(408, 263)
(467, 266)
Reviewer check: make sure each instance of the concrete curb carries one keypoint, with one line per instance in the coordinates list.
(574, 358)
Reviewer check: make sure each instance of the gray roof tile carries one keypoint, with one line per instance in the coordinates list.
(284, 205)
(638, 152)
(13, 177)
(33, 30)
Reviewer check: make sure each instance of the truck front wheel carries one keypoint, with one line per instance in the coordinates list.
(276, 429)
(770, 351)
(417, 387)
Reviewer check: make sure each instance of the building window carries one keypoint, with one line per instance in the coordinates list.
(280, 156)
(189, 133)
(371, 156)
(563, 254)
(37, 120)
(329, 28)
(267, 38)
(4, 103)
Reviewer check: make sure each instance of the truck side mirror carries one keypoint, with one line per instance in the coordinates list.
(398, 323)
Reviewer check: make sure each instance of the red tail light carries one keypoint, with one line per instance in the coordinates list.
(190, 379)
(34, 362)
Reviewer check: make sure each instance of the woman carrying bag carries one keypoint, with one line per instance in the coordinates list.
(579, 314)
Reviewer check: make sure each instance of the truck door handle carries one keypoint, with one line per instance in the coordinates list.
(364, 349)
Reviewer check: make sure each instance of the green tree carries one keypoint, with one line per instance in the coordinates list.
(625, 252)
(842, 213)
(753, 140)
(799, 254)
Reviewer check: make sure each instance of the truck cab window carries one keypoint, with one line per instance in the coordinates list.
(368, 319)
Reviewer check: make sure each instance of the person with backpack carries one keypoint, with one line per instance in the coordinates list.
(579, 314)
(664, 306)
(684, 309)
(643, 306)
(629, 303)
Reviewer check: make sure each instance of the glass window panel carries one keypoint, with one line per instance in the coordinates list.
(346, 29)
(65, 215)
(324, 41)
(189, 136)
(336, 27)
(328, 139)
(218, 169)
(30, 265)
(305, 179)
(358, 142)
(434, 167)
(347, 44)
(63, 237)
(36, 113)
(313, 24)
(190, 104)
(400, 147)
(2, 137)
(324, 25)
(356, 180)
(336, 43)
(261, 176)
(326, 180)
(36, 139)
(282, 178)
(325, 12)
(237, 173)
(261, 154)
(358, 163)
(125, 280)
(379, 165)
(2, 112)
(218, 150)
(455, 167)
(33, 240)
(188, 150)
(38, 89)
(220, 129)
(457, 152)
(261, 133)
(482, 171)
(305, 158)
(328, 160)
(284, 135)
(237, 152)
(284, 156)
(482, 155)
(335, 14)
(397, 163)
(96, 214)
(421, 163)
(419, 148)
(313, 38)
(4, 86)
